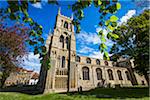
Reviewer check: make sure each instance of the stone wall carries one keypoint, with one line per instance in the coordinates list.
(56, 80)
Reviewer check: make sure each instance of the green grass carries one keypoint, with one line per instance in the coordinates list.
(116, 94)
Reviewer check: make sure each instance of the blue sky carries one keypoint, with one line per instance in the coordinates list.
(87, 42)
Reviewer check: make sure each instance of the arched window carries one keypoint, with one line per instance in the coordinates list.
(85, 71)
(88, 60)
(106, 63)
(119, 75)
(61, 39)
(127, 75)
(67, 42)
(97, 62)
(77, 58)
(66, 25)
(61, 22)
(110, 74)
(99, 74)
(63, 62)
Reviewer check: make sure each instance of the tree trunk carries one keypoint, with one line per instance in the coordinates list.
(4, 77)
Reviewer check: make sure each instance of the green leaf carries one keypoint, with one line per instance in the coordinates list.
(32, 42)
(32, 33)
(53, 2)
(113, 18)
(115, 36)
(82, 14)
(39, 32)
(69, 6)
(110, 27)
(48, 64)
(114, 24)
(12, 16)
(106, 56)
(43, 49)
(36, 50)
(9, 10)
(41, 40)
(99, 2)
(107, 22)
(118, 6)
(40, 26)
(103, 46)
(102, 50)
(78, 29)
(100, 32)
(25, 13)
(103, 39)
(109, 35)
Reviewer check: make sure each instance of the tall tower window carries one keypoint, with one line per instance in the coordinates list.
(99, 73)
(62, 23)
(61, 39)
(66, 25)
(85, 71)
(67, 42)
(63, 62)
(110, 74)
(119, 75)
(70, 26)
(127, 75)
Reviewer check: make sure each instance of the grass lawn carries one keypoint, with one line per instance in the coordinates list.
(96, 94)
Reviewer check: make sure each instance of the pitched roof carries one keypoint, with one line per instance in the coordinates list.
(35, 76)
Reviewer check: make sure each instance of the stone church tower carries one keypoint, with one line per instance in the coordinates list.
(58, 44)
(85, 72)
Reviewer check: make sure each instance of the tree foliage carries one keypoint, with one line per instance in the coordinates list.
(105, 7)
(133, 41)
(12, 46)
(18, 10)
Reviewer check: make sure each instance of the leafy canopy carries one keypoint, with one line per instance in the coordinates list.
(133, 41)
(18, 10)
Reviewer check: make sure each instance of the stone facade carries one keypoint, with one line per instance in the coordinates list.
(19, 77)
(85, 72)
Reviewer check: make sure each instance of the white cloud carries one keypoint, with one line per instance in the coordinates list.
(87, 43)
(127, 16)
(96, 54)
(31, 62)
(88, 37)
(122, 20)
(37, 5)
(85, 50)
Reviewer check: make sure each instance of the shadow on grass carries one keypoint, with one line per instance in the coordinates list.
(126, 92)
(113, 93)
(31, 90)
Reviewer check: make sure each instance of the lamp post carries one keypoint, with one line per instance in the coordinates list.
(69, 58)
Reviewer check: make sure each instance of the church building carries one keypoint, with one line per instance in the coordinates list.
(84, 72)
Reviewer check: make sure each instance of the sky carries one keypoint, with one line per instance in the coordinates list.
(87, 41)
